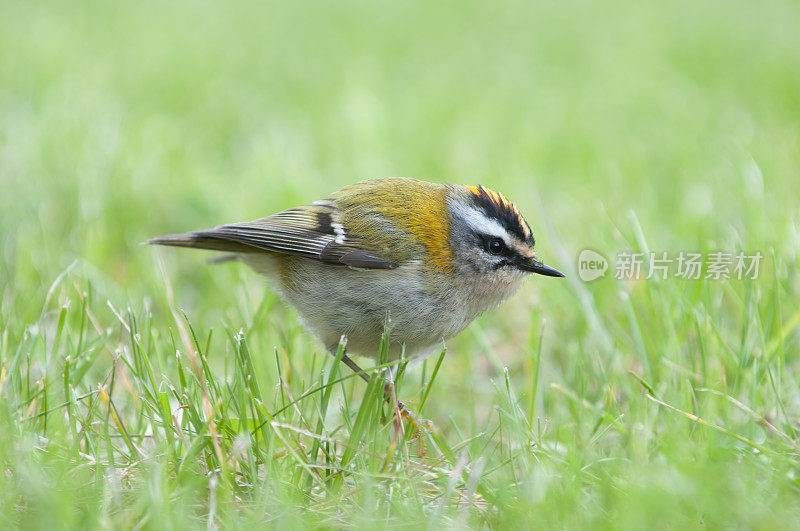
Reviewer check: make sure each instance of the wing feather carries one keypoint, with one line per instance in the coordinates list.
(307, 231)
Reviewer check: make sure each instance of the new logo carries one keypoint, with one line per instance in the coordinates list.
(591, 265)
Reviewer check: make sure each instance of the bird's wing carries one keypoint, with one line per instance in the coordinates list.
(308, 231)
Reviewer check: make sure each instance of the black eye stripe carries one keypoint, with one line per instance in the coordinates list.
(496, 246)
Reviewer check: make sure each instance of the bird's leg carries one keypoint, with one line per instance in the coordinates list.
(387, 387)
(356, 369)
(407, 414)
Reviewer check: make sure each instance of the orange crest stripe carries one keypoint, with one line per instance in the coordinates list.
(503, 207)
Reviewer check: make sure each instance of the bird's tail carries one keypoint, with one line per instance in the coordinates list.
(200, 240)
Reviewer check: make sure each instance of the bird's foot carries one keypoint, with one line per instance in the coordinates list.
(419, 423)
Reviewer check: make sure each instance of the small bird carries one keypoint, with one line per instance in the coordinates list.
(427, 258)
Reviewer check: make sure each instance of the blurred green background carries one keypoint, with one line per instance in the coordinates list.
(615, 126)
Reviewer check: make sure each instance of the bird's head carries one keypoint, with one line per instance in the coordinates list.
(489, 236)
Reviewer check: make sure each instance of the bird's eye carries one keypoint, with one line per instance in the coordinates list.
(495, 246)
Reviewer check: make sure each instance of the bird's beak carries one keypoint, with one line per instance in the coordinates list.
(535, 266)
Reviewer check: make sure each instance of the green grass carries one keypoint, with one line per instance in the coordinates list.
(142, 388)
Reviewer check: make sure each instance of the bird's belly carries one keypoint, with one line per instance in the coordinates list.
(360, 304)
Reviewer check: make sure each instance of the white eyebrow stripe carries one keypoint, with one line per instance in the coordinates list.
(482, 223)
